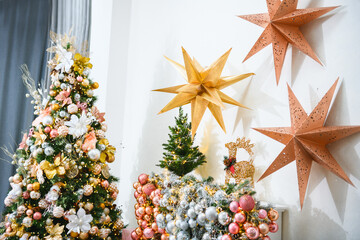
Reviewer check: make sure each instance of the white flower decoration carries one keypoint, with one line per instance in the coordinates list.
(80, 222)
(78, 127)
(15, 192)
(65, 59)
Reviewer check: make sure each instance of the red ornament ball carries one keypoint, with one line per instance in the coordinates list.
(247, 203)
(143, 178)
(252, 233)
(148, 188)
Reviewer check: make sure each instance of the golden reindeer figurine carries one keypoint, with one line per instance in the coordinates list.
(243, 169)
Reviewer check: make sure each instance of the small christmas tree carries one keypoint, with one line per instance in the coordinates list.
(62, 188)
(180, 156)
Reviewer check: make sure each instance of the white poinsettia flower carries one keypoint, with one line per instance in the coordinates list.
(79, 222)
(78, 126)
(65, 60)
(15, 191)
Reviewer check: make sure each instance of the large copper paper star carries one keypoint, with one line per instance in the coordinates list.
(281, 25)
(306, 140)
(203, 89)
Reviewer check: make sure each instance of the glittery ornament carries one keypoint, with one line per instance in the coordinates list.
(73, 172)
(243, 169)
(252, 233)
(58, 212)
(105, 171)
(88, 190)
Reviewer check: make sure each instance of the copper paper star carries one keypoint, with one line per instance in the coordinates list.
(306, 140)
(281, 25)
(203, 89)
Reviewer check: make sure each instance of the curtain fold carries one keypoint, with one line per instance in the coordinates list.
(24, 31)
(24, 37)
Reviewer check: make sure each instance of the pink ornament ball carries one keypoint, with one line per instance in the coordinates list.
(154, 226)
(273, 227)
(134, 236)
(37, 216)
(157, 192)
(149, 210)
(156, 201)
(262, 214)
(143, 178)
(247, 203)
(148, 233)
(240, 217)
(47, 129)
(26, 195)
(164, 237)
(29, 212)
(264, 228)
(234, 206)
(141, 211)
(234, 228)
(161, 230)
(149, 188)
(252, 233)
(141, 200)
(144, 224)
(226, 237)
(136, 194)
(266, 238)
(54, 133)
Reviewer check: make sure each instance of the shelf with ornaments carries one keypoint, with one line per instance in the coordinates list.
(176, 204)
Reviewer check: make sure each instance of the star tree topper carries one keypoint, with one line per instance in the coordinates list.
(306, 140)
(203, 89)
(281, 27)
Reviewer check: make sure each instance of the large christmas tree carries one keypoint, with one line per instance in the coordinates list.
(180, 156)
(62, 188)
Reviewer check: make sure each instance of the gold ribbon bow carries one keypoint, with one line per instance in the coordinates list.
(108, 154)
(51, 169)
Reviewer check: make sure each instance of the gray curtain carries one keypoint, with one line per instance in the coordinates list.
(24, 38)
(24, 31)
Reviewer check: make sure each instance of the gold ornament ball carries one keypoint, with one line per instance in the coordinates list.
(74, 234)
(96, 169)
(52, 93)
(102, 205)
(95, 85)
(89, 206)
(84, 235)
(110, 159)
(55, 107)
(88, 190)
(36, 186)
(85, 83)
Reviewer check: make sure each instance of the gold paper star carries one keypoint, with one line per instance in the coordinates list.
(306, 141)
(203, 89)
(281, 27)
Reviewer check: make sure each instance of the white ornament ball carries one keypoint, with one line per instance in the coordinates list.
(72, 108)
(49, 151)
(49, 222)
(58, 212)
(211, 213)
(34, 238)
(184, 225)
(223, 218)
(77, 97)
(94, 154)
(43, 203)
(192, 223)
(201, 219)
(35, 195)
(62, 114)
(206, 236)
(170, 227)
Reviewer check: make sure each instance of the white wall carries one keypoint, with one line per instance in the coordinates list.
(142, 31)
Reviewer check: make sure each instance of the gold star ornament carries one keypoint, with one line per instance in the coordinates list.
(202, 89)
(281, 27)
(305, 141)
